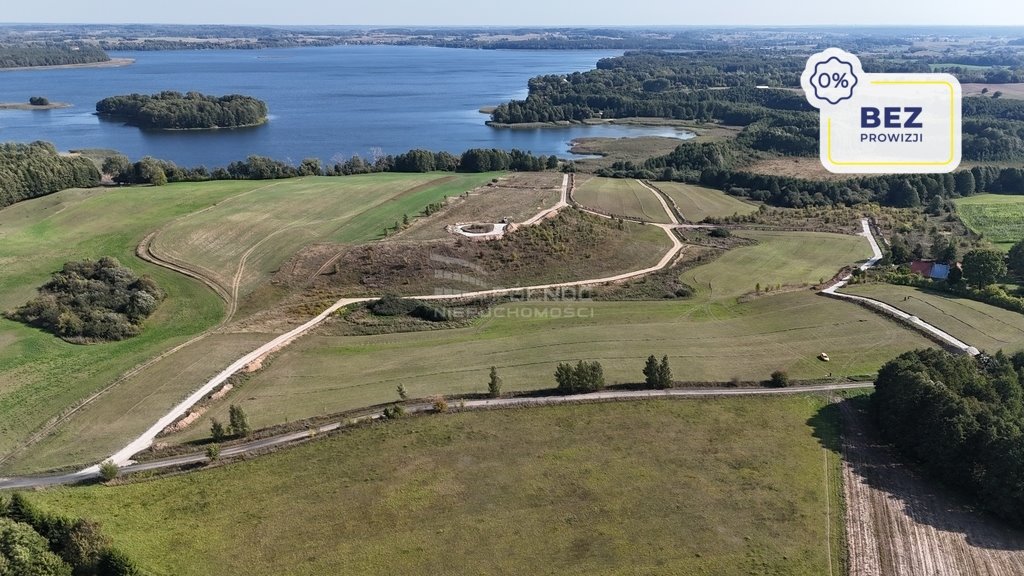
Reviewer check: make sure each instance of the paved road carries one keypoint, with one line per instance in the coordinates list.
(487, 404)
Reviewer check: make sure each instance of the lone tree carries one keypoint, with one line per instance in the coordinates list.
(403, 394)
(984, 267)
(494, 385)
(664, 373)
(217, 432)
(238, 423)
(38, 101)
(213, 452)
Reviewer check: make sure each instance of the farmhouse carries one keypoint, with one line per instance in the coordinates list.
(931, 269)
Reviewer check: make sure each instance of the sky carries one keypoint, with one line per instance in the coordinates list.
(524, 12)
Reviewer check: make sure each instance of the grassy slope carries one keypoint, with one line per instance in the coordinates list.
(787, 258)
(1000, 218)
(734, 486)
(622, 198)
(41, 375)
(980, 325)
(697, 202)
(281, 217)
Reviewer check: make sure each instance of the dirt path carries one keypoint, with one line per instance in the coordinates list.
(671, 213)
(900, 524)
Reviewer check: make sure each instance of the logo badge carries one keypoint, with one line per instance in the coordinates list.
(883, 123)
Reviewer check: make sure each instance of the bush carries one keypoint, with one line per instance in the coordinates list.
(394, 412)
(439, 404)
(779, 379)
(213, 452)
(582, 378)
(108, 471)
(719, 233)
(116, 563)
(393, 306)
(38, 101)
(92, 300)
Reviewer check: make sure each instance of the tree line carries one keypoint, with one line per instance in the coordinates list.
(153, 171)
(36, 169)
(962, 419)
(171, 110)
(37, 543)
(50, 54)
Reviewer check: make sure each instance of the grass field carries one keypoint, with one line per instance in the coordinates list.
(247, 238)
(792, 259)
(325, 373)
(40, 375)
(983, 326)
(723, 487)
(621, 197)
(697, 202)
(1000, 218)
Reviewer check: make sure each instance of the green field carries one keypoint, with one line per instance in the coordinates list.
(323, 374)
(697, 202)
(792, 259)
(732, 486)
(247, 238)
(41, 376)
(999, 218)
(621, 197)
(980, 325)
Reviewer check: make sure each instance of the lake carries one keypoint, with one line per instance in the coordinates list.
(328, 102)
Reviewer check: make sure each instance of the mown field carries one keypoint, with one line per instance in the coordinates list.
(697, 202)
(999, 218)
(239, 243)
(730, 486)
(792, 259)
(41, 376)
(983, 326)
(621, 197)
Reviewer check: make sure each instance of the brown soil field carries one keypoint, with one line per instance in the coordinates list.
(1008, 90)
(899, 523)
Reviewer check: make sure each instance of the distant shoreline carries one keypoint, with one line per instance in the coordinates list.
(112, 63)
(27, 106)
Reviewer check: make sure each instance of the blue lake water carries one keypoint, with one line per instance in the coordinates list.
(328, 103)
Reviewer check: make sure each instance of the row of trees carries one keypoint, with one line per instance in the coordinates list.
(50, 54)
(36, 169)
(170, 110)
(158, 172)
(962, 419)
(37, 543)
(92, 300)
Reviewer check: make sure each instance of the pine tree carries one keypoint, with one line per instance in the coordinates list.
(651, 372)
(238, 422)
(494, 386)
(664, 373)
(217, 432)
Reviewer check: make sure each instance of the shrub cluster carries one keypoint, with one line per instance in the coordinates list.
(581, 378)
(92, 300)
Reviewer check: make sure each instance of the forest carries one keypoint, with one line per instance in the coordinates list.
(962, 419)
(722, 87)
(170, 110)
(50, 54)
(36, 169)
(92, 300)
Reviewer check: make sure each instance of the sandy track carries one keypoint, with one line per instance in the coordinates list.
(900, 524)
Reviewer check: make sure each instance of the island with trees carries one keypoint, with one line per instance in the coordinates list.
(170, 110)
(34, 54)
